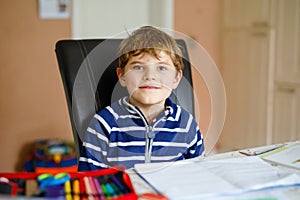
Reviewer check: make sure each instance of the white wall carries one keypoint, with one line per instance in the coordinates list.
(107, 18)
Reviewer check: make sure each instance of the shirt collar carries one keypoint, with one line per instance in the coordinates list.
(170, 107)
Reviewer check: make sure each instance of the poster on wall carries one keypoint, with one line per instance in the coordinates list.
(54, 9)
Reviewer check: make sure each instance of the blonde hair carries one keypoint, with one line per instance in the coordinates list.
(150, 40)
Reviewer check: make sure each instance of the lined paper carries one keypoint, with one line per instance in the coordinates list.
(204, 179)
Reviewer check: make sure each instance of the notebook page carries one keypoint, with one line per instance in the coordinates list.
(179, 180)
(202, 179)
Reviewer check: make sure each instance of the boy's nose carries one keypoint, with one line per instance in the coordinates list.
(150, 75)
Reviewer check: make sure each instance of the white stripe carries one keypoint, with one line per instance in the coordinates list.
(88, 160)
(170, 109)
(199, 142)
(170, 144)
(123, 129)
(130, 108)
(116, 116)
(174, 130)
(120, 102)
(96, 148)
(177, 114)
(125, 144)
(192, 151)
(130, 128)
(178, 130)
(131, 111)
(100, 136)
(109, 129)
(142, 143)
(193, 141)
(103, 122)
(129, 116)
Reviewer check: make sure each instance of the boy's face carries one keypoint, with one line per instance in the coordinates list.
(149, 80)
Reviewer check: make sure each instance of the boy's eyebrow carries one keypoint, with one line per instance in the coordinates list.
(135, 62)
(140, 62)
(164, 62)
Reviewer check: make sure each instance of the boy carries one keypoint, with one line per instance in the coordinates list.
(146, 126)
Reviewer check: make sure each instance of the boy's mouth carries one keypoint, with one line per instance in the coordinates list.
(149, 87)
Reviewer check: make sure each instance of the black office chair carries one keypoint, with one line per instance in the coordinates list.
(88, 71)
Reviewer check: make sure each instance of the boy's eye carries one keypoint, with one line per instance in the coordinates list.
(162, 68)
(138, 67)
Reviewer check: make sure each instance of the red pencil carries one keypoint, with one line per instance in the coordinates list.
(82, 189)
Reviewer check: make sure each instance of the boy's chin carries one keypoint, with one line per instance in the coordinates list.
(147, 101)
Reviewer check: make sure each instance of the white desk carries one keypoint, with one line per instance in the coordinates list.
(293, 193)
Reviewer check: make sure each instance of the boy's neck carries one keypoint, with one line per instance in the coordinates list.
(151, 114)
(151, 111)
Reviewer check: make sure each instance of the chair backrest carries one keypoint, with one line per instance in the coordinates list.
(88, 71)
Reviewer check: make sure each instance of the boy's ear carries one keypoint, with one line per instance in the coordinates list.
(121, 77)
(177, 79)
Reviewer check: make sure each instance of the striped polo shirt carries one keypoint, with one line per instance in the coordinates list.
(119, 135)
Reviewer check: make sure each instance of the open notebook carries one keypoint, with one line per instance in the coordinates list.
(214, 179)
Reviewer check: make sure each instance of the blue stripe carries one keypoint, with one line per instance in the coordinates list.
(125, 137)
